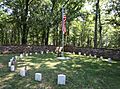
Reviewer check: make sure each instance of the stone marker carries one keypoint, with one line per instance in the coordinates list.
(12, 68)
(84, 54)
(38, 76)
(101, 57)
(41, 52)
(22, 72)
(73, 52)
(79, 53)
(95, 56)
(61, 79)
(26, 54)
(47, 51)
(9, 64)
(36, 53)
(109, 60)
(90, 55)
(30, 53)
(21, 55)
(52, 52)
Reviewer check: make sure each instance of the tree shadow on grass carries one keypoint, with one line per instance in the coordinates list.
(81, 73)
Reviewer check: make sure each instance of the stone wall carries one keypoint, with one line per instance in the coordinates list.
(22, 49)
(106, 53)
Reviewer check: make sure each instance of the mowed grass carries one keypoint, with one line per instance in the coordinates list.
(82, 72)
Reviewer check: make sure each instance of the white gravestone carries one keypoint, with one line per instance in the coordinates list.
(22, 72)
(38, 76)
(90, 55)
(12, 68)
(36, 53)
(84, 54)
(73, 53)
(41, 52)
(101, 57)
(109, 60)
(30, 53)
(9, 64)
(26, 54)
(47, 51)
(95, 56)
(79, 53)
(21, 55)
(51, 51)
(61, 79)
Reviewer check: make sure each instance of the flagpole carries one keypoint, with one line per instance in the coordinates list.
(62, 32)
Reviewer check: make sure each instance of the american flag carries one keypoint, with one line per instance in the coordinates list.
(64, 24)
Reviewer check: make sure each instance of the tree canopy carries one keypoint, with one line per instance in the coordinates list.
(90, 23)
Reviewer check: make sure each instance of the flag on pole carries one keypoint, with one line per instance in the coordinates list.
(64, 24)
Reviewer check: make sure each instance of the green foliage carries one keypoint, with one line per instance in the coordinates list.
(41, 23)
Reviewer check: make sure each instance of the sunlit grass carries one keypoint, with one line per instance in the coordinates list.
(82, 72)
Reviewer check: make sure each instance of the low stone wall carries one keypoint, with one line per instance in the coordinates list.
(22, 49)
(106, 53)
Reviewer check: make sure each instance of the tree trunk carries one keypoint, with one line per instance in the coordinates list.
(2, 36)
(47, 36)
(100, 29)
(25, 28)
(96, 19)
(43, 37)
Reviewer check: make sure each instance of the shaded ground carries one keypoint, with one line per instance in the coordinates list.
(82, 73)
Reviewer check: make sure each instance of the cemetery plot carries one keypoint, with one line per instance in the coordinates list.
(44, 71)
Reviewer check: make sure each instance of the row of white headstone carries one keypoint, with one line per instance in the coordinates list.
(26, 54)
(38, 77)
(101, 57)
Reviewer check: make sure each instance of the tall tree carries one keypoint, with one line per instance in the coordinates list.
(96, 24)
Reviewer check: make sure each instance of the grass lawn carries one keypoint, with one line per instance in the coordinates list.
(81, 72)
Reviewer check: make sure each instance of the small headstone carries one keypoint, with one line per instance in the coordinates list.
(90, 55)
(79, 53)
(9, 64)
(84, 54)
(30, 53)
(47, 51)
(23, 72)
(51, 51)
(109, 60)
(101, 57)
(38, 76)
(36, 53)
(95, 56)
(26, 54)
(21, 55)
(41, 52)
(61, 79)
(12, 68)
(73, 52)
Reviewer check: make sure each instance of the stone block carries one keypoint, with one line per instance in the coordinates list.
(38, 76)
(22, 72)
(12, 68)
(61, 79)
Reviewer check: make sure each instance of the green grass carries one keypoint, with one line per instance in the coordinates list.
(81, 72)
